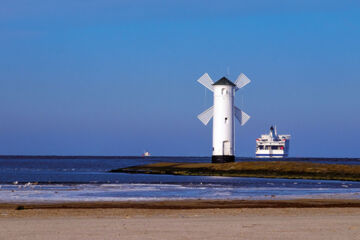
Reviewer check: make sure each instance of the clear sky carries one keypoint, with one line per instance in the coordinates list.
(95, 77)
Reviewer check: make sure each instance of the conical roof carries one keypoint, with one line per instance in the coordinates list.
(224, 81)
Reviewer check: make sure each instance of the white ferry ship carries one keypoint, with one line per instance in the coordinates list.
(272, 145)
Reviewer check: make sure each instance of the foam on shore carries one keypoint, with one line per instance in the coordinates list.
(165, 192)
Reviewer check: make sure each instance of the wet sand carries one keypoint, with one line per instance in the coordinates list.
(291, 219)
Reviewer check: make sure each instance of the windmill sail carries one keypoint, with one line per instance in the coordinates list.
(242, 81)
(206, 116)
(241, 116)
(206, 81)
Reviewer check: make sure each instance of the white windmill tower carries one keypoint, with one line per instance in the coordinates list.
(223, 112)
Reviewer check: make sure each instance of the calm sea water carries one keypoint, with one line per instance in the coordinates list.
(87, 179)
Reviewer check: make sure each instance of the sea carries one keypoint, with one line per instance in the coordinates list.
(72, 179)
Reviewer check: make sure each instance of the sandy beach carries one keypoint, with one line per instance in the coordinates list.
(297, 219)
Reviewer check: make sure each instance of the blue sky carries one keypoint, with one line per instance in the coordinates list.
(118, 77)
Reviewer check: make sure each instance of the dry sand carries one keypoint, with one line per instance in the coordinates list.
(166, 220)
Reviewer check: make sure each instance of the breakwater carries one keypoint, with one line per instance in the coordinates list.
(262, 169)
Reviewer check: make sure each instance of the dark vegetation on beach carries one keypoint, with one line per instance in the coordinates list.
(189, 204)
(263, 169)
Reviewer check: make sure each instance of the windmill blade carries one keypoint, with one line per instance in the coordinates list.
(206, 81)
(205, 116)
(241, 116)
(242, 81)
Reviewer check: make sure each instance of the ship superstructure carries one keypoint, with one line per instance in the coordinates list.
(272, 145)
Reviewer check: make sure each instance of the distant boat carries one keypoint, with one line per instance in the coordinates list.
(272, 145)
(146, 154)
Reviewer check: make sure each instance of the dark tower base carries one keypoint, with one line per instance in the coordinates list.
(222, 159)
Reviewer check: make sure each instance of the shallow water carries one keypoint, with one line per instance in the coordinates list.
(87, 179)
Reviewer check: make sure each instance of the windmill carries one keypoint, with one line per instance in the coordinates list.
(223, 111)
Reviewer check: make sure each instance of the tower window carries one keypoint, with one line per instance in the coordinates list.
(224, 91)
(226, 119)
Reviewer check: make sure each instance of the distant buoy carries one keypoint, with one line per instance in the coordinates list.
(146, 154)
